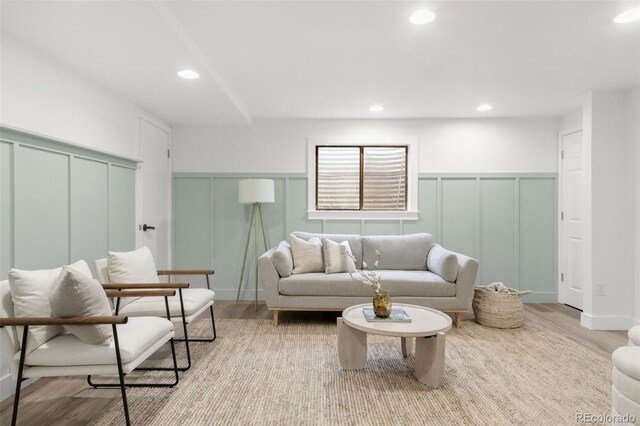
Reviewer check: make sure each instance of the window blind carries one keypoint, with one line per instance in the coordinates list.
(338, 178)
(361, 178)
(385, 178)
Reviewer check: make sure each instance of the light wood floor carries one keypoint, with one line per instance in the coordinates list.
(38, 403)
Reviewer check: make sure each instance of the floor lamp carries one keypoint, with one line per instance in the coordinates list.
(256, 192)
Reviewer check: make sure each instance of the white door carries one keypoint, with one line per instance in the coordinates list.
(572, 243)
(154, 184)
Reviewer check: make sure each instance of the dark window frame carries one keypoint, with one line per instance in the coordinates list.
(361, 184)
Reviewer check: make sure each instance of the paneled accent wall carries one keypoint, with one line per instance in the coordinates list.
(506, 221)
(61, 202)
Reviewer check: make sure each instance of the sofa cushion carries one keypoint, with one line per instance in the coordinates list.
(400, 252)
(307, 255)
(627, 360)
(355, 241)
(399, 283)
(134, 338)
(30, 295)
(283, 259)
(136, 266)
(337, 257)
(443, 262)
(77, 295)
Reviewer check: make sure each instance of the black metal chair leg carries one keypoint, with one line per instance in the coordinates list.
(120, 375)
(16, 398)
(200, 340)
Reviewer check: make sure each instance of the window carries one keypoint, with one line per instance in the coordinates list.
(368, 177)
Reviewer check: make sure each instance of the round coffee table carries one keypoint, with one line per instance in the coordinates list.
(427, 325)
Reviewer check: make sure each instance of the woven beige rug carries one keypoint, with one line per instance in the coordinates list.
(258, 374)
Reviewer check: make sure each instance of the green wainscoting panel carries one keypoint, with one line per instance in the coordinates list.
(6, 207)
(381, 227)
(342, 227)
(193, 225)
(122, 208)
(428, 207)
(89, 209)
(495, 218)
(459, 215)
(297, 208)
(42, 208)
(60, 202)
(498, 231)
(538, 242)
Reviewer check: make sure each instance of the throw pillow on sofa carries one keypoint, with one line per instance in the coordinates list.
(337, 257)
(30, 294)
(443, 262)
(77, 295)
(136, 266)
(283, 259)
(307, 255)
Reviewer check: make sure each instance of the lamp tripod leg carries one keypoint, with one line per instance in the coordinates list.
(246, 249)
(255, 255)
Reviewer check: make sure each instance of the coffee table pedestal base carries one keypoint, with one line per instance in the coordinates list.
(352, 347)
(430, 359)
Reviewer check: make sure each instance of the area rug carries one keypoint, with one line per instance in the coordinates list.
(258, 374)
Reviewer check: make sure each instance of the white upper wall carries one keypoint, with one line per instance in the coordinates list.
(571, 121)
(521, 145)
(43, 97)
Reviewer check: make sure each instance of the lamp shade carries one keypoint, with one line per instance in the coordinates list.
(256, 191)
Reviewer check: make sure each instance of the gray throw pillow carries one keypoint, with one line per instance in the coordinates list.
(443, 262)
(283, 259)
(77, 295)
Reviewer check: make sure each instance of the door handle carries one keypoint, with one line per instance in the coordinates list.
(145, 227)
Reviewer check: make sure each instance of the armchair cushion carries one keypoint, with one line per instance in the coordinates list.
(30, 295)
(627, 360)
(76, 294)
(283, 259)
(134, 338)
(443, 262)
(634, 336)
(135, 266)
(194, 299)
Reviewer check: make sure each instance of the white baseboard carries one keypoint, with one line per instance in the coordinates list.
(8, 386)
(606, 322)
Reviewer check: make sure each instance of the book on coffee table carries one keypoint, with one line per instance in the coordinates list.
(397, 315)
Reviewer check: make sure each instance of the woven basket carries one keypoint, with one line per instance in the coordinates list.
(498, 310)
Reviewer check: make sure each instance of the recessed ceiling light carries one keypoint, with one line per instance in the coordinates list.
(628, 16)
(422, 16)
(190, 74)
(376, 108)
(484, 107)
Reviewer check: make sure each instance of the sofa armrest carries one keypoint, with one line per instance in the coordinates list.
(269, 278)
(466, 280)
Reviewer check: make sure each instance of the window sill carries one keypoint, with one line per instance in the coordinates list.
(359, 215)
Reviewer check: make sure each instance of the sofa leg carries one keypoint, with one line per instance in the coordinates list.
(458, 317)
(275, 317)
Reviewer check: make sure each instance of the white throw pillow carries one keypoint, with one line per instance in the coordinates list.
(283, 259)
(337, 257)
(135, 266)
(30, 292)
(77, 295)
(307, 255)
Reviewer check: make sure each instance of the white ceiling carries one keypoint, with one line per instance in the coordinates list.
(335, 59)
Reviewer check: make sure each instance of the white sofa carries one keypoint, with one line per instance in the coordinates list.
(403, 270)
(625, 391)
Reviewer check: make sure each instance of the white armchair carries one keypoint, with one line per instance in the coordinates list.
(184, 308)
(625, 391)
(134, 340)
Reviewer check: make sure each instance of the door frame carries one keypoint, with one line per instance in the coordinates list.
(561, 135)
(143, 115)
